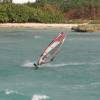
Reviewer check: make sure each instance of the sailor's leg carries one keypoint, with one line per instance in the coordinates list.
(35, 65)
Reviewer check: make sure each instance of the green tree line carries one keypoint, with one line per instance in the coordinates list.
(49, 11)
(17, 13)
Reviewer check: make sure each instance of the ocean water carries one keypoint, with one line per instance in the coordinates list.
(73, 75)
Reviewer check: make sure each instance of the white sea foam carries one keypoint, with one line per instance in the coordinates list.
(27, 64)
(55, 65)
(39, 97)
(71, 63)
(37, 37)
(8, 92)
(30, 64)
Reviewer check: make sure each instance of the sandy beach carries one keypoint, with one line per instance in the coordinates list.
(35, 25)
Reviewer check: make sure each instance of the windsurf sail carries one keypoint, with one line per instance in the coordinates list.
(52, 50)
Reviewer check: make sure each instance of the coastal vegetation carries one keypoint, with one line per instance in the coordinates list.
(17, 13)
(51, 11)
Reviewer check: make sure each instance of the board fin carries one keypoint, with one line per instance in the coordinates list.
(35, 66)
(52, 59)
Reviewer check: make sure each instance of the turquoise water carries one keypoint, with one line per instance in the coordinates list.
(73, 75)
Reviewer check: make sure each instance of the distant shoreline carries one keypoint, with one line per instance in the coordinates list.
(36, 25)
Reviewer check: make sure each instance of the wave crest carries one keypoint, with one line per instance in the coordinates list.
(39, 97)
(8, 92)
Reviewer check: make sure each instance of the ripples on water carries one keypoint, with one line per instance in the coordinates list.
(74, 74)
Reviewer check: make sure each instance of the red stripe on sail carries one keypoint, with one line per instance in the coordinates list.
(60, 37)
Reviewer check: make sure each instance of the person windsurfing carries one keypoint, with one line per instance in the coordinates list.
(51, 51)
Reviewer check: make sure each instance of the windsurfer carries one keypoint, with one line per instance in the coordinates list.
(51, 51)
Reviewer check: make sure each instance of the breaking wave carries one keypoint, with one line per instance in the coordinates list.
(11, 93)
(8, 92)
(39, 97)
